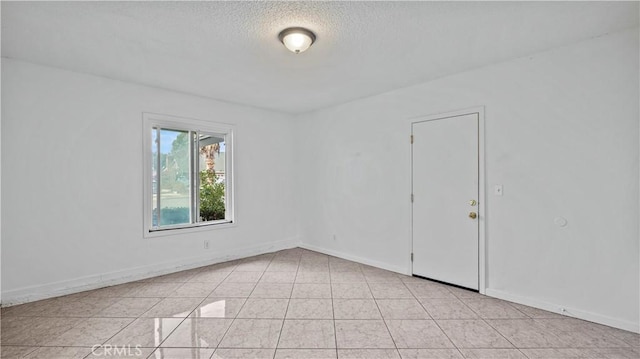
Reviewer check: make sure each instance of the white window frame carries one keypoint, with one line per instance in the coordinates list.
(151, 120)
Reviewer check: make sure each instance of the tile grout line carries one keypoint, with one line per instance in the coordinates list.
(381, 316)
(239, 310)
(502, 335)
(205, 298)
(464, 303)
(153, 306)
(333, 309)
(183, 320)
(287, 309)
(484, 320)
(434, 320)
(436, 323)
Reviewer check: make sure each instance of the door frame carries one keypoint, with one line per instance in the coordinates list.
(479, 110)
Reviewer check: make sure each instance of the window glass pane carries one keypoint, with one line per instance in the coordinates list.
(188, 180)
(175, 183)
(154, 176)
(211, 148)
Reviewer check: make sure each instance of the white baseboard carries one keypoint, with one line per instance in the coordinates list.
(353, 258)
(76, 285)
(571, 312)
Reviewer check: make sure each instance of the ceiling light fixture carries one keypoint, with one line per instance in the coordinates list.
(297, 39)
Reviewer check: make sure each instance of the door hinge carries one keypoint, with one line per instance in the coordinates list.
(412, 139)
(412, 257)
(412, 198)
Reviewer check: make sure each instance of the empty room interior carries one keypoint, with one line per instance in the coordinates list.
(320, 180)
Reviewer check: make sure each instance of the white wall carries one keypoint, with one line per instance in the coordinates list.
(561, 136)
(1, 60)
(72, 179)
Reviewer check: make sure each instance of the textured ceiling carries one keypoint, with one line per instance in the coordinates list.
(230, 50)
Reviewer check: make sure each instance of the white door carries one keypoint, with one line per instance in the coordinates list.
(445, 199)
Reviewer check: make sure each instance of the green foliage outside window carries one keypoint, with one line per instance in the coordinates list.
(211, 197)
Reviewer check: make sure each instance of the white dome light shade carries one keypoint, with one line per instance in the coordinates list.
(297, 39)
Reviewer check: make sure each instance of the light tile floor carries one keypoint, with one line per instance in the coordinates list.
(297, 304)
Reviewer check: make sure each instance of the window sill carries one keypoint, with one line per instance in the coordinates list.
(172, 231)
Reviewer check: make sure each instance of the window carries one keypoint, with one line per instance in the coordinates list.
(188, 173)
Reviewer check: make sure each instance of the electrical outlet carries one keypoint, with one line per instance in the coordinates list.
(206, 244)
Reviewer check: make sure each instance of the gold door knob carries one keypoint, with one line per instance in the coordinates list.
(472, 215)
(473, 202)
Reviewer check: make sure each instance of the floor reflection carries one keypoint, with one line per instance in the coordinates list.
(216, 309)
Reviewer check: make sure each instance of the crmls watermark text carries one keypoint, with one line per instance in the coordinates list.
(114, 350)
